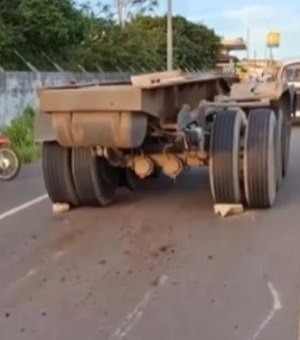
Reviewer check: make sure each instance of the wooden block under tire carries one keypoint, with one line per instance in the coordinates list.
(225, 210)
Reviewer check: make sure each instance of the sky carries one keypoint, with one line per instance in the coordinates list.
(232, 18)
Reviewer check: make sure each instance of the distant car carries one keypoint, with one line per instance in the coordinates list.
(290, 73)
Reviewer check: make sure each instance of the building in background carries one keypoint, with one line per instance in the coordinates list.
(247, 68)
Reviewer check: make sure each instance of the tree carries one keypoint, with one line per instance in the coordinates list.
(127, 8)
(195, 46)
(8, 9)
(51, 26)
(50, 32)
(39, 30)
(6, 43)
(9, 34)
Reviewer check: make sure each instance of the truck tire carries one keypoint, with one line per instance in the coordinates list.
(286, 143)
(279, 148)
(224, 161)
(83, 165)
(128, 179)
(156, 172)
(105, 181)
(57, 172)
(260, 159)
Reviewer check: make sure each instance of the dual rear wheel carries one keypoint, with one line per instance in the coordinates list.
(247, 158)
(80, 178)
(77, 177)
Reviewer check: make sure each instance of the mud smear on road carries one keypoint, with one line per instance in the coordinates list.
(66, 239)
(97, 263)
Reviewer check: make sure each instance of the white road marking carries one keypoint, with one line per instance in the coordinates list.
(21, 280)
(277, 305)
(298, 328)
(135, 315)
(298, 338)
(31, 273)
(22, 207)
(58, 255)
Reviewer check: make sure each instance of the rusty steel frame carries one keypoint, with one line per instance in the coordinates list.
(118, 116)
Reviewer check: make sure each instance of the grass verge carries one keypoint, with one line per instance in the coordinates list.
(21, 134)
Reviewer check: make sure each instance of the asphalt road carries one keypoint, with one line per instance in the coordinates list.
(157, 265)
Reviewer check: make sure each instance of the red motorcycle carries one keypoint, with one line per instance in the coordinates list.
(10, 163)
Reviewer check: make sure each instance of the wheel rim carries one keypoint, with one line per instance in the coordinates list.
(105, 170)
(9, 163)
(132, 179)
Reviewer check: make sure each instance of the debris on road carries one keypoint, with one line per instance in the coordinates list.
(225, 210)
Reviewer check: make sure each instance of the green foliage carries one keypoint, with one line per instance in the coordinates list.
(21, 133)
(30, 153)
(46, 32)
(195, 46)
(50, 23)
(42, 30)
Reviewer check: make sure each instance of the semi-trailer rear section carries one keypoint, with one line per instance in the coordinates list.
(101, 136)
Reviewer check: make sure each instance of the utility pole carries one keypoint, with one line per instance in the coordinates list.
(120, 9)
(170, 36)
(248, 43)
(271, 55)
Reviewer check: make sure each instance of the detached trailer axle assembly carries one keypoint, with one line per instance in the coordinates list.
(100, 137)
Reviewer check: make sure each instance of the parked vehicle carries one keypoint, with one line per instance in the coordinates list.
(171, 121)
(10, 162)
(290, 73)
